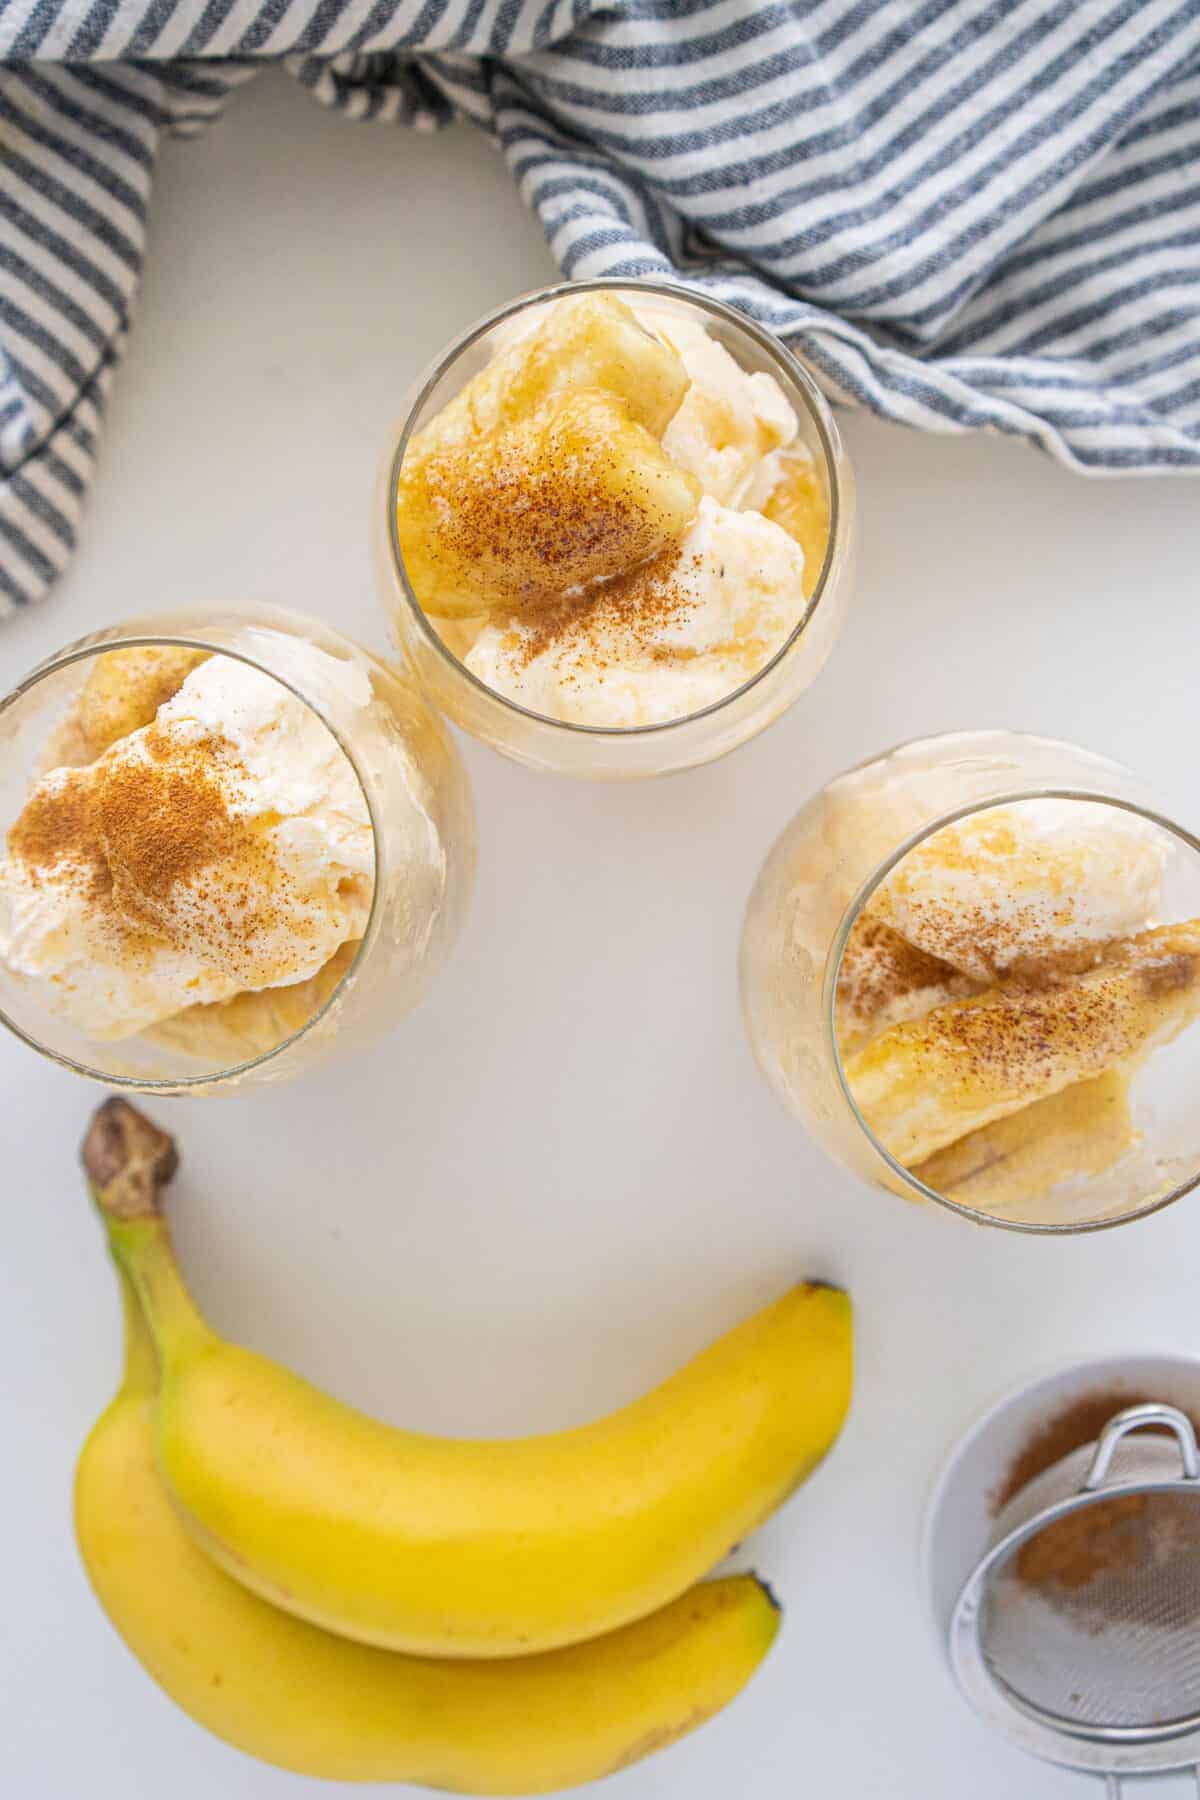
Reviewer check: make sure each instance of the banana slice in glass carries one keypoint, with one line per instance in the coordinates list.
(576, 491)
(1083, 1130)
(884, 981)
(924, 1084)
(584, 341)
(126, 688)
(229, 1032)
(799, 503)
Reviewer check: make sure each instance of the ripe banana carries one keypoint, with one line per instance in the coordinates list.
(464, 1548)
(296, 1696)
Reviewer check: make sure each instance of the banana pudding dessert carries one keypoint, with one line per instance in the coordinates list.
(194, 866)
(969, 961)
(1001, 987)
(613, 523)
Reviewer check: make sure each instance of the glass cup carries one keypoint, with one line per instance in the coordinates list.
(1102, 1153)
(423, 840)
(614, 752)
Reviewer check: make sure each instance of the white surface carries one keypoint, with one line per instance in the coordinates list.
(562, 1174)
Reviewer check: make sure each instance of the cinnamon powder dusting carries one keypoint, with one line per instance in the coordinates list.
(881, 967)
(540, 508)
(553, 526)
(1072, 1558)
(167, 818)
(131, 832)
(1097, 1540)
(967, 935)
(56, 826)
(1075, 1425)
(637, 603)
(1016, 1036)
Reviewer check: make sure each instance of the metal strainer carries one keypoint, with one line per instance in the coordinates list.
(1078, 1634)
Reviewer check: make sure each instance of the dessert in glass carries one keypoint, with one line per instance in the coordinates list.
(617, 529)
(969, 968)
(233, 841)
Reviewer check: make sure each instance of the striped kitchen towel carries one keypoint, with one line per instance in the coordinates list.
(962, 214)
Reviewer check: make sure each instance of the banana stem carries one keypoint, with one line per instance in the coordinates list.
(128, 1162)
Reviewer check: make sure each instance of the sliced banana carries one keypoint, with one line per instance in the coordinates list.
(1083, 1130)
(799, 503)
(250, 1024)
(125, 689)
(584, 341)
(576, 491)
(461, 635)
(884, 981)
(923, 1085)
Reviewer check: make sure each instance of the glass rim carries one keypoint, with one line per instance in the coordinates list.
(819, 411)
(833, 967)
(81, 651)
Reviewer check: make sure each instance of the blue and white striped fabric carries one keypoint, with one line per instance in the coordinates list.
(962, 214)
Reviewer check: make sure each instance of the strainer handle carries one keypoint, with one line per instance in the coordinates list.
(1137, 1418)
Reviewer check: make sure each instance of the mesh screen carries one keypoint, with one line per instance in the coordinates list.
(1095, 1621)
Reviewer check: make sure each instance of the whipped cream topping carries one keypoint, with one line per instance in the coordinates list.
(224, 848)
(1038, 880)
(665, 640)
(731, 422)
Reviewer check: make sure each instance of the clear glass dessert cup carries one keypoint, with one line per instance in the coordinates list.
(825, 869)
(422, 828)
(606, 752)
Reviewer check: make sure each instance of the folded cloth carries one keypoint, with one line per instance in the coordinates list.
(962, 214)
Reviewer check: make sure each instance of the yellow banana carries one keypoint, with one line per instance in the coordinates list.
(296, 1696)
(466, 1548)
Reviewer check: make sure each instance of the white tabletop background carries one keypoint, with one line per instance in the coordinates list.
(562, 1174)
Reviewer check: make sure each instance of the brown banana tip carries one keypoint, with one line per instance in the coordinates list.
(768, 1593)
(127, 1160)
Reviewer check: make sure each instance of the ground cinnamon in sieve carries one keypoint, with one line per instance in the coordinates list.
(1075, 1425)
(1107, 1537)
(1096, 1540)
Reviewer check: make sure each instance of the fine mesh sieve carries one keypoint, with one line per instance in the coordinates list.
(1078, 1634)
